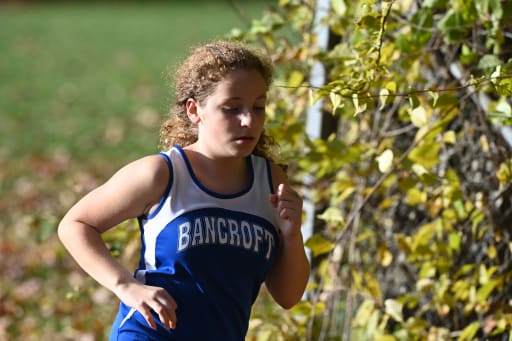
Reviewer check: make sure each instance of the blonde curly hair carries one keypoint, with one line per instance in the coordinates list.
(197, 78)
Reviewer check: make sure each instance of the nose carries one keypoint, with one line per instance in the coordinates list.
(246, 118)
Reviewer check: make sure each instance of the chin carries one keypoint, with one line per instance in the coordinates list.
(243, 152)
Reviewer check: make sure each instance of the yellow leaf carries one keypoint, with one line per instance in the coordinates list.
(504, 174)
(346, 193)
(496, 73)
(319, 245)
(332, 215)
(454, 240)
(449, 137)
(424, 283)
(503, 107)
(426, 154)
(365, 235)
(416, 197)
(484, 143)
(295, 79)
(469, 332)
(386, 337)
(385, 256)
(404, 243)
(383, 97)
(419, 170)
(391, 86)
(373, 287)
(394, 309)
(335, 100)
(357, 279)
(484, 291)
(364, 313)
(483, 275)
(385, 161)
(461, 289)
(491, 252)
(419, 117)
(359, 108)
(435, 97)
(339, 7)
(424, 236)
(428, 270)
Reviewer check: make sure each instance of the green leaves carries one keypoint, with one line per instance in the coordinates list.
(453, 26)
(469, 332)
(319, 245)
(410, 165)
(426, 154)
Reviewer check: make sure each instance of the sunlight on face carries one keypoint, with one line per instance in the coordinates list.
(232, 118)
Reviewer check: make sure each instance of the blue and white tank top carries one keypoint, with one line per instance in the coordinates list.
(210, 251)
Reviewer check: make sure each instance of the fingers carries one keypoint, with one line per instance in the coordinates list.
(287, 213)
(146, 313)
(162, 304)
(166, 311)
(273, 200)
(166, 315)
(285, 192)
(287, 202)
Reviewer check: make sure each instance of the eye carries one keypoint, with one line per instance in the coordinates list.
(259, 109)
(230, 110)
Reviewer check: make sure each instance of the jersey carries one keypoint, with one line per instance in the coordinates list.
(210, 251)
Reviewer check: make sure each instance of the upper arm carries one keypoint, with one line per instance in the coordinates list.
(278, 175)
(129, 193)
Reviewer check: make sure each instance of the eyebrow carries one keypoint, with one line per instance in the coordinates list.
(238, 98)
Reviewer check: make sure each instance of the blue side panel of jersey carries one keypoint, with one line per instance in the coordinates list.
(141, 219)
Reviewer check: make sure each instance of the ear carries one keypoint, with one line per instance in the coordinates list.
(192, 110)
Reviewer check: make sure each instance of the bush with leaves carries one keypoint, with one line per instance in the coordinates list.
(414, 185)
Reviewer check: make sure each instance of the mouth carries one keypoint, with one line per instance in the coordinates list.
(244, 139)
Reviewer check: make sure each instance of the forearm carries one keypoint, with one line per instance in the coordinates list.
(289, 275)
(87, 247)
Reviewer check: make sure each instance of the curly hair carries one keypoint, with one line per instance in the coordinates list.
(197, 78)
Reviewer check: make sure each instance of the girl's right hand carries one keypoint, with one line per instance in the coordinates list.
(147, 299)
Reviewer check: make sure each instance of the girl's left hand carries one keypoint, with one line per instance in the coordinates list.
(288, 206)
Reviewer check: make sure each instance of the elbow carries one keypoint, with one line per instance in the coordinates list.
(288, 304)
(62, 232)
(290, 298)
(65, 232)
(289, 293)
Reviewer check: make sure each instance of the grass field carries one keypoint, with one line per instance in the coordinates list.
(84, 77)
(83, 89)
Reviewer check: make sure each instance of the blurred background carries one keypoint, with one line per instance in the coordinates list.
(407, 180)
(83, 89)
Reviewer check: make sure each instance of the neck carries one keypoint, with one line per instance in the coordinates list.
(223, 165)
(225, 175)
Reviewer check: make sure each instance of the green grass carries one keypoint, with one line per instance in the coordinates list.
(78, 78)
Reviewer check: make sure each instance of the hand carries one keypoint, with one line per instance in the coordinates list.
(288, 205)
(146, 299)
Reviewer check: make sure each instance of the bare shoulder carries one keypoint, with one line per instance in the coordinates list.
(145, 178)
(129, 193)
(147, 171)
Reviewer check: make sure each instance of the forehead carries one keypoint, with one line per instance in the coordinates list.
(241, 83)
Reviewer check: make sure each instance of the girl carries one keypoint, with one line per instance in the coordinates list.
(217, 216)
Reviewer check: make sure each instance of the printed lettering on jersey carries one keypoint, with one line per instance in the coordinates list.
(212, 230)
(221, 229)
